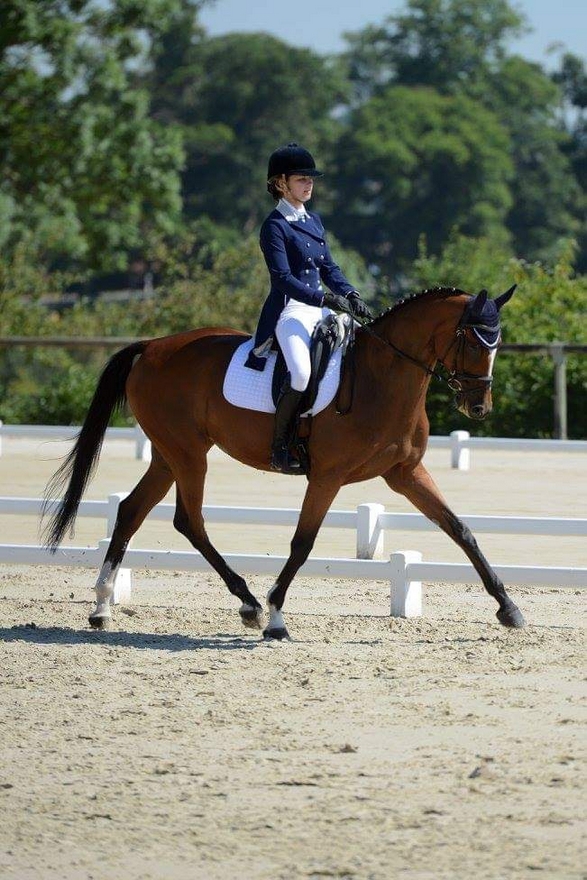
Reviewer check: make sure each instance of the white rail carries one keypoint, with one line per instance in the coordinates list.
(460, 443)
(369, 520)
(404, 569)
(70, 432)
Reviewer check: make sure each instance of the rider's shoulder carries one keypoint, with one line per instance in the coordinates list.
(273, 220)
(317, 219)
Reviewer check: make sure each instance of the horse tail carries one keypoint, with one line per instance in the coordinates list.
(80, 464)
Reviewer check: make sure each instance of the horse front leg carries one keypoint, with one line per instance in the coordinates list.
(418, 487)
(150, 489)
(318, 498)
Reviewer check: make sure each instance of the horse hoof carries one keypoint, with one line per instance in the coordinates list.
(279, 633)
(252, 617)
(511, 617)
(99, 621)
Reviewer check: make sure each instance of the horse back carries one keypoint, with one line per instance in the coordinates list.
(174, 369)
(163, 349)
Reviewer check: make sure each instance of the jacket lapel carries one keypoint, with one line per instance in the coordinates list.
(310, 227)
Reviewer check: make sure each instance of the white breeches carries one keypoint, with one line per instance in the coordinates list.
(294, 330)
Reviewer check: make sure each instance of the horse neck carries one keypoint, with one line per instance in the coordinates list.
(417, 329)
(418, 326)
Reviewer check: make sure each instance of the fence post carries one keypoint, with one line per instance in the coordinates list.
(143, 445)
(459, 453)
(370, 535)
(122, 586)
(557, 350)
(406, 595)
(1, 423)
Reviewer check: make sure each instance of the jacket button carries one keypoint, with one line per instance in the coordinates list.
(307, 285)
(309, 260)
(321, 256)
(307, 244)
(322, 243)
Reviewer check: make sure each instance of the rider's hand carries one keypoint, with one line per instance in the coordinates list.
(337, 303)
(359, 308)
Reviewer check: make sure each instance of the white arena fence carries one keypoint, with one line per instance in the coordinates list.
(460, 443)
(403, 570)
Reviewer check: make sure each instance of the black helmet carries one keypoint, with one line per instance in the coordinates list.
(292, 159)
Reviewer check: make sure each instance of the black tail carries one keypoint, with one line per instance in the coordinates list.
(80, 464)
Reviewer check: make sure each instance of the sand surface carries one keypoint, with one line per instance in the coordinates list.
(178, 745)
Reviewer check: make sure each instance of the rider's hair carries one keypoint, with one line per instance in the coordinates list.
(275, 186)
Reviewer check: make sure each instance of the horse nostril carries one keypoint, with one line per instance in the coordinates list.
(478, 410)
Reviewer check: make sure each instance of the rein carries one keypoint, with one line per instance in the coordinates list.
(454, 378)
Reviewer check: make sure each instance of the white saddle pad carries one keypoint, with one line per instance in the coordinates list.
(251, 389)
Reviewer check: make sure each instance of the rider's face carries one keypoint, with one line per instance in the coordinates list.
(298, 189)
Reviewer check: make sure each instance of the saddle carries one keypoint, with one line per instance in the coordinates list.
(331, 333)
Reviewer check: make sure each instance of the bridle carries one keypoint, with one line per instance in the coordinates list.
(455, 377)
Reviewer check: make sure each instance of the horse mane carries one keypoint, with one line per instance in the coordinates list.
(432, 292)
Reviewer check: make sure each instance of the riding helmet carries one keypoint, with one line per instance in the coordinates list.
(292, 159)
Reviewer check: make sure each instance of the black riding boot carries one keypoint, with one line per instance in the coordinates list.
(287, 407)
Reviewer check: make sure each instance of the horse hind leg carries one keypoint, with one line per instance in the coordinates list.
(150, 489)
(189, 522)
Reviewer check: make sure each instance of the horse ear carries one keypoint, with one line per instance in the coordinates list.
(501, 300)
(478, 303)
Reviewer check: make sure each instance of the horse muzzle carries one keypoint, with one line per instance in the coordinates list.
(474, 402)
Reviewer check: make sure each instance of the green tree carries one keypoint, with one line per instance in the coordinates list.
(459, 48)
(545, 192)
(572, 78)
(237, 98)
(86, 173)
(449, 45)
(413, 160)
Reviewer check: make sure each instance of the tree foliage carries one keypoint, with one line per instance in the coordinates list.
(86, 173)
(237, 98)
(417, 161)
(459, 48)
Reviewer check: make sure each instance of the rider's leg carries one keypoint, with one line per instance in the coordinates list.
(294, 340)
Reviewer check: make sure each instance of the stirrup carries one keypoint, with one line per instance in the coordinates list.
(283, 462)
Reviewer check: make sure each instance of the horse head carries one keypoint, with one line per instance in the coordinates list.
(471, 353)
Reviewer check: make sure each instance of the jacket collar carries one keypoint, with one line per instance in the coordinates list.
(310, 227)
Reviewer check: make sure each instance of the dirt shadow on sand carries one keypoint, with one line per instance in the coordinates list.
(55, 635)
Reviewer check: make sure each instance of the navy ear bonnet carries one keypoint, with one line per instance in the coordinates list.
(482, 317)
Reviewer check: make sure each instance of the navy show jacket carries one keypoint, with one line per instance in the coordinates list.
(299, 261)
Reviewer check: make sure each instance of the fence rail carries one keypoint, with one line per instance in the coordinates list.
(404, 570)
(460, 443)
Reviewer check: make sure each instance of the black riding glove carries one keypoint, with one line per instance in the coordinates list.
(337, 303)
(359, 308)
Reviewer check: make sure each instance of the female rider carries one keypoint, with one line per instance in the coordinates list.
(299, 261)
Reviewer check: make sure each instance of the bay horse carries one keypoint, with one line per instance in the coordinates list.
(174, 386)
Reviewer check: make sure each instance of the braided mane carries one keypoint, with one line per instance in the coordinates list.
(429, 292)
